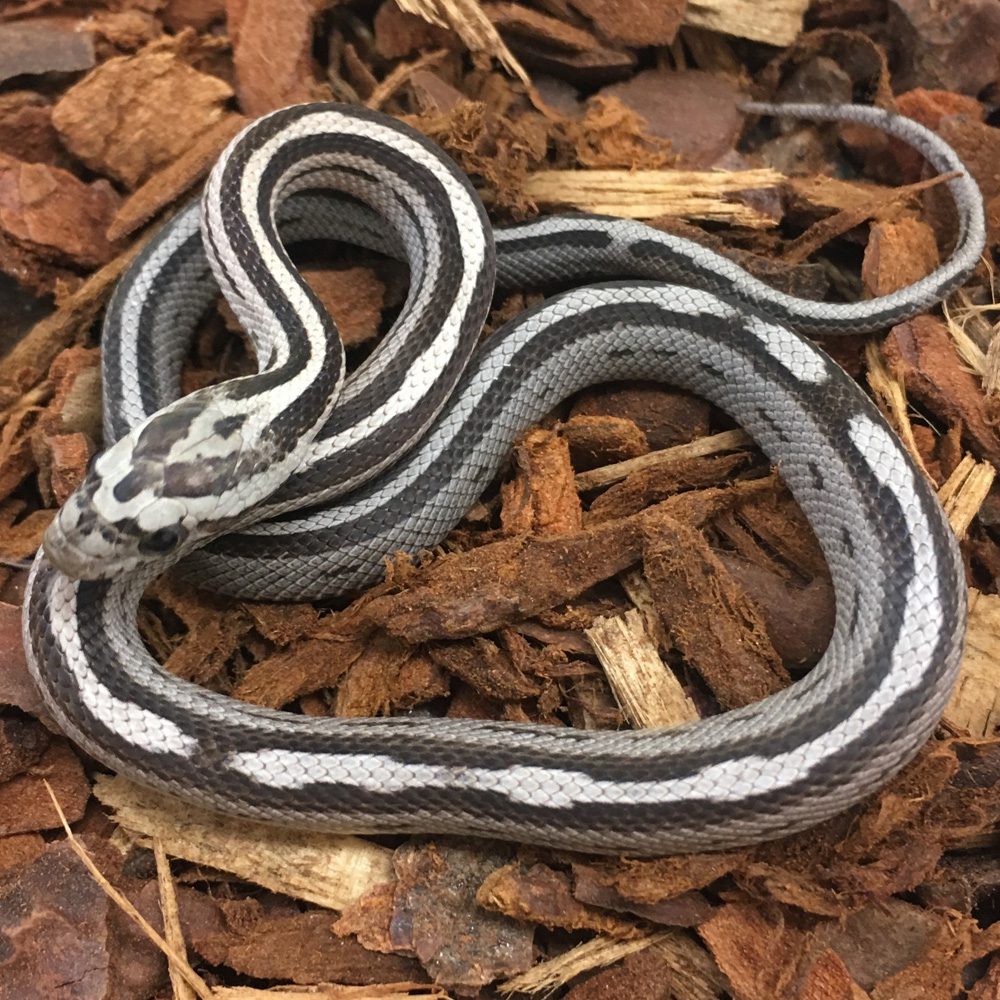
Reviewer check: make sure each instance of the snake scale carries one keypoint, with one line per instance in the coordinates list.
(294, 483)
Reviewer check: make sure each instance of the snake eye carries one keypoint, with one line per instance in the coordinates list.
(161, 541)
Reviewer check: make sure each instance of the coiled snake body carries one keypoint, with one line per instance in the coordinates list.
(391, 458)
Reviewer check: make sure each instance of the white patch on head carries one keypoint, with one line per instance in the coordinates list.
(139, 726)
(789, 350)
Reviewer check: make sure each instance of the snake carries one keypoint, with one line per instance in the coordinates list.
(297, 481)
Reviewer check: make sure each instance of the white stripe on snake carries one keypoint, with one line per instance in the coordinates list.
(396, 455)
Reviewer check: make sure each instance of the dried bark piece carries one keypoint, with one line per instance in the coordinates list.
(987, 988)
(651, 882)
(26, 125)
(758, 948)
(938, 972)
(644, 975)
(19, 851)
(975, 703)
(67, 460)
(433, 95)
(417, 681)
(963, 882)
(22, 744)
(855, 204)
(175, 179)
(717, 628)
(197, 14)
(548, 976)
(16, 458)
(16, 684)
(695, 111)
(159, 101)
(932, 804)
(369, 918)
(387, 674)
(541, 499)
(69, 430)
(20, 536)
(326, 869)
(645, 487)
(904, 932)
(645, 687)
(48, 212)
(611, 134)
(977, 145)
(272, 53)
(486, 668)
(475, 592)
(587, 68)
(520, 21)
(542, 895)
(827, 977)
(897, 255)
(123, 31)
(275, 942)
(64, 937)
(635, 22)
(398, 34)
(779, 523)
(43, 45)
(799, 620)
(306, 667)
(685, 910)
(354, 298)
(597, 441)
(922, 352)
(666, 417)
(212, 625)
(25, 804)
(952, 52)
(283, 624)
(437, 917)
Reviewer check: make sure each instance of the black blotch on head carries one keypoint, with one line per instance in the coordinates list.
(200, 479)
(228, 426)
(169, 428)
(131, 486)
(124, 527)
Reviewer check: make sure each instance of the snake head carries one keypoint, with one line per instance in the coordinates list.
(154, 495)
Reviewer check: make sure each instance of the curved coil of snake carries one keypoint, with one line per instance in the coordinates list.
(391, 459)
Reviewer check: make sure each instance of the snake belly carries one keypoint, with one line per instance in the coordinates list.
(390, 459)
